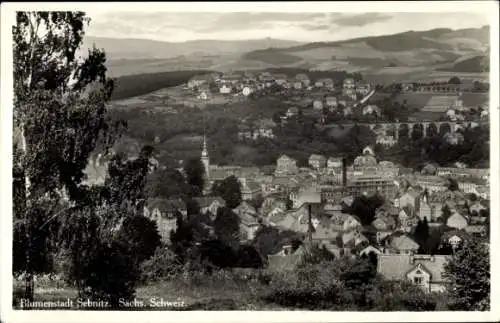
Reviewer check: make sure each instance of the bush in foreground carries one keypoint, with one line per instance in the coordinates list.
(345, 284)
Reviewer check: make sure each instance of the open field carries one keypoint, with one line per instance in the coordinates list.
(174, 99)
(417, 74)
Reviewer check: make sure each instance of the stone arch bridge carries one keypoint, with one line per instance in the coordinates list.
(425, 128)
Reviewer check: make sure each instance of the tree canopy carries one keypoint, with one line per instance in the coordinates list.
(469, 274)
(229, 189)
(60, 117)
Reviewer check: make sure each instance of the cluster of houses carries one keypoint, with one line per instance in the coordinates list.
(317, 199)
(246, 83)
(262, 128)
(389, 238)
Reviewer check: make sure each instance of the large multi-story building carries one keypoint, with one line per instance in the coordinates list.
(369, 185)
(332, 193)
(457, 172)
(431, 183)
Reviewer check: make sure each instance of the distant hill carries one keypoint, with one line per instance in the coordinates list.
(476, 64)
(436, 49)
(143, 48)
(422, 48)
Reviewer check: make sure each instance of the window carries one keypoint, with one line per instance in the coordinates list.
(417, 280)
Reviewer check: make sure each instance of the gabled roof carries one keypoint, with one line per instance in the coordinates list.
(404, 242)
(277, 218)
(412, 192)
(459, 233)
(166, 205)
(265, 123)
(206, 201)
(353, 237)
(317, 157)
(456, 216)
(331, 207)
(245, 207)
(248, 220)
(381, 224)
(397, 266)
(250, 187)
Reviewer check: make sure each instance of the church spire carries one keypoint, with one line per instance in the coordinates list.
(204, 152)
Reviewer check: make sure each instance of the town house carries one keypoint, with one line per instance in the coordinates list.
(249, 189)
(303, 78)
(349, 87)
(210, 204)
(400, 243)
(317, 161)
(286, 166)
(410, 199)
(163, 213)
(363, 88)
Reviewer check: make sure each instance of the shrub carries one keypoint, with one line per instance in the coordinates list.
(387, 296)
(109, 274)
(163, 265)
(311, 286)
(345, 284)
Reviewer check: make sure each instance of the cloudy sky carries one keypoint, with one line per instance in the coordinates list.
(308, 26)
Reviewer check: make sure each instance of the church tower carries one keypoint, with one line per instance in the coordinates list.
(205, 160)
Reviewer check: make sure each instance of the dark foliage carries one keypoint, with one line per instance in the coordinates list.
(134, 85)
(229, 189)
(364, 207)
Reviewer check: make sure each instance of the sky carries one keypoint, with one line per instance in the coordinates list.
(303, 26)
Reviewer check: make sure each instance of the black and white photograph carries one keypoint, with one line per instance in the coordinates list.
(296, 158)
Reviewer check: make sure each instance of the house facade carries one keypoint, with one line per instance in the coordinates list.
(249, 189)
(425, 271)
(286, 166)
(317, 161)
(210, 204)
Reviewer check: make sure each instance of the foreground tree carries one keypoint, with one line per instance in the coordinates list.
(108, 238)
(469, 273)
(59, 118)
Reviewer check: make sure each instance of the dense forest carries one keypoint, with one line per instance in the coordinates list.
(134, 85)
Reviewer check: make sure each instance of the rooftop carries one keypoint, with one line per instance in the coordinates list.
(396, 266)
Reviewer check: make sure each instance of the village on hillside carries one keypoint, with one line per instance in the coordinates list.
(350, 174)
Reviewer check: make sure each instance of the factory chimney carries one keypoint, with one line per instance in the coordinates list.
(344, 172)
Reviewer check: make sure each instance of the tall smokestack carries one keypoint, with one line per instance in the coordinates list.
(344, 172)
